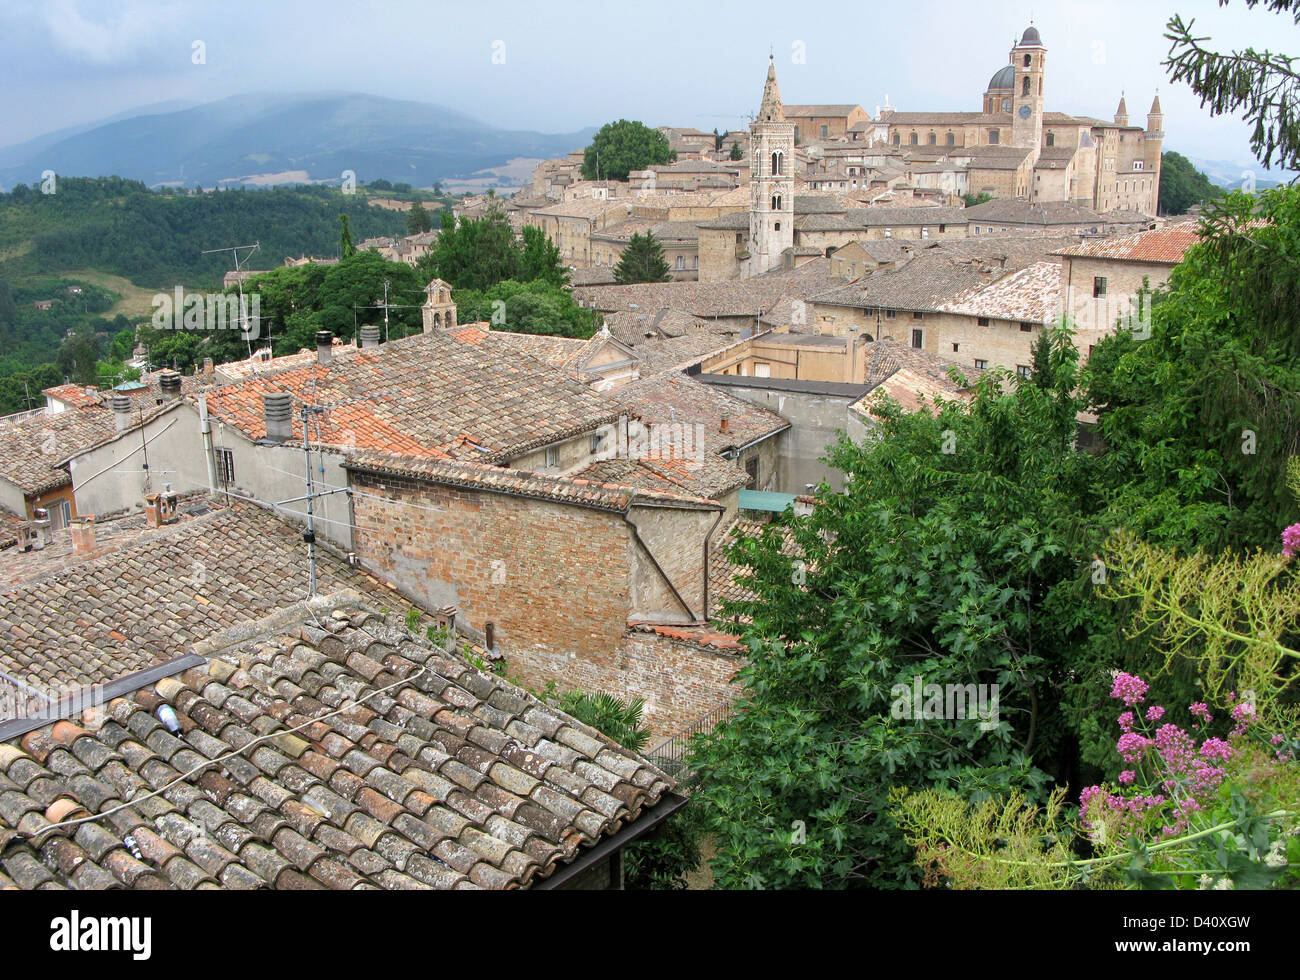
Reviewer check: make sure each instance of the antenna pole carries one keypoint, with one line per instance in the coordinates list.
(310, 535)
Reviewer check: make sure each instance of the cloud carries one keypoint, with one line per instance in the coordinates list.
(108, 37)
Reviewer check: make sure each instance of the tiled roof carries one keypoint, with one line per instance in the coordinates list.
(1032, 295)
(153, 595)
(941, 272)
(1167, 246)
(341, 753)
(709, 475)
(31, 449)
(429, 395)
(9, 525)
(677, 398)
(820, 110)
(886, 217)
(572, 490)
(552, 351)
(1022, 212)
(886, 356)
(256, 365)
(912, 390)
(585, 207)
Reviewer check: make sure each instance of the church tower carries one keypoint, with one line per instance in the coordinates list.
(771, 182)
(1153, 146)
(1121, 114)
(1029, 59)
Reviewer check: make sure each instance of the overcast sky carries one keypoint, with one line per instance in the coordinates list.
(561, 65)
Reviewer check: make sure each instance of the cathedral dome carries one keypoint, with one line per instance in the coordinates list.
(1031, 36)
(1004, 79)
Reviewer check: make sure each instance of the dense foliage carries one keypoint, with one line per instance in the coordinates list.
(642, 261)
(623, 146)
(1182, 186)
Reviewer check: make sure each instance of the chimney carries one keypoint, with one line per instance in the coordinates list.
(722, 427)
(324, 347)
(370, 336)
(121, 406)
(277, 407)
(160, 508)
(207, 370)
(83, 534)
(170, 383)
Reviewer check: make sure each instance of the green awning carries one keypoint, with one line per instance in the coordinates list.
(776, 503)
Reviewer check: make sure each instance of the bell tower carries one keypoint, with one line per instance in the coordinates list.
(771, 181)
(1029, 59)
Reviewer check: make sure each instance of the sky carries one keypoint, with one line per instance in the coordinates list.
(567, 64)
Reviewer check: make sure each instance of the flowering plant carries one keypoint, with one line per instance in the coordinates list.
(1193, 809)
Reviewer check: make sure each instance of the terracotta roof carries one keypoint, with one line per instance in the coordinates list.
(338, 753)
(32, 449)
(708, 475)
(677, 398)
(152, 595)
(9, 525)
(572, 490)
(1043, 213)
(913, 390)
(429, 396)
(1032, 295)
(1167, 246)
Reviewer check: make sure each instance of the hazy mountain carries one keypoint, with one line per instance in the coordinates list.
(1226, 173)
(245, 136)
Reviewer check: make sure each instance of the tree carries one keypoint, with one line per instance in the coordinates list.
(975, 200)
(735, 152)
(1259, 85)
(1182, 185)
(642, 261)
(78, 355)
(418, 220)
(527, 307)
(717, 140)
(474, 253)
(541, 259)
(953, 557)
(623, 146)
(346, 248)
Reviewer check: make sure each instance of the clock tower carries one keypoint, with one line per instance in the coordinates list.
(1029, 59)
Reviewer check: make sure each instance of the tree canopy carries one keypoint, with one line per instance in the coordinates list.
(642, 261)
(1182, 186)
(623, 146)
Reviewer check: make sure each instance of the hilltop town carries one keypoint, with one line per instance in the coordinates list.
(324, 618)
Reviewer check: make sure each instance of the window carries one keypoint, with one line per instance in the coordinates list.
(995, 137)
(681, 263)
(918, 316)
(952, 140)
(889, 232)
(552, 457)
(942, 229)
(1022, 370)
(1024, 89)
(762, 369)
(898, 139)
(825, 132)
(778, 158)
(954, 348)
(915, 140)
(925, 232)
(1029, 60)
(593, 444)
(1026, 327)
(1098, 287)
(890, 314)
(981, 364)
(983, 321)
(1051, 139)
(60, 512)
(225, 460)
(918, 339)
(1137, 164)
(933, 139)
(778, 226)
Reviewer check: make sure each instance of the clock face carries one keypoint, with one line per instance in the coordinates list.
(1026, 112)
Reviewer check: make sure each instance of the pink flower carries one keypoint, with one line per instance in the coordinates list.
(1277, 739)
(1126, 721)
(1216, 748)
(1127, 776)
(1201, 710)
(1131, 745)
(1291, 540)
(1155, 713)
(1243, 711)
(1129, 688)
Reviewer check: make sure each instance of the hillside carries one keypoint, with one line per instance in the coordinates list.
(316, 137)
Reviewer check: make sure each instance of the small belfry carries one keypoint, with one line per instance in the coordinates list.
(771, 182)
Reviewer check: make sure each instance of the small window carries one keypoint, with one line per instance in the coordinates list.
(825, 132)
(942, 229)
(983, 321)
(778, 226)
(225, 460)
(1098, 287)
(1029, 60)
(933, 139)
(1137, 164)
(954, 348)
(915, 140)
(995, 137)
(981, 364)
(1024, 89)
(890, 314)
(952, 140)
(593, 444)
(918, 339)
(925, 232)
(681, 262)
(1026, 327)
(1023, 370)
(918, 316)
(552, 457)
(1051, 139)
(762, 369)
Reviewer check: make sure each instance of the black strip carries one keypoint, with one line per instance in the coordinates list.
(129, 684)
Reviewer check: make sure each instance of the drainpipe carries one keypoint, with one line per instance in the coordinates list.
(205, 427)
(707, 538)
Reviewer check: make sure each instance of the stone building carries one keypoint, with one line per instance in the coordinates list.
(771, 209)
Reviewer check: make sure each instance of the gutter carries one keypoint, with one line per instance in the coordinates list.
(668, 805)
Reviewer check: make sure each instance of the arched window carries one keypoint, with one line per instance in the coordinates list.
(933, 139)
(778, 158)
(898, 139)
(1024, 89)
(952, 139)
(778, 226)
(1051, 139)
(1029, 60)
(915, 139)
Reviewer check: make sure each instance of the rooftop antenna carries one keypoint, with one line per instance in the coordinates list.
(239, 283)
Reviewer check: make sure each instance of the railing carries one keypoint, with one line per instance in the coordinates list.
(20, 416)
(670, 755)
